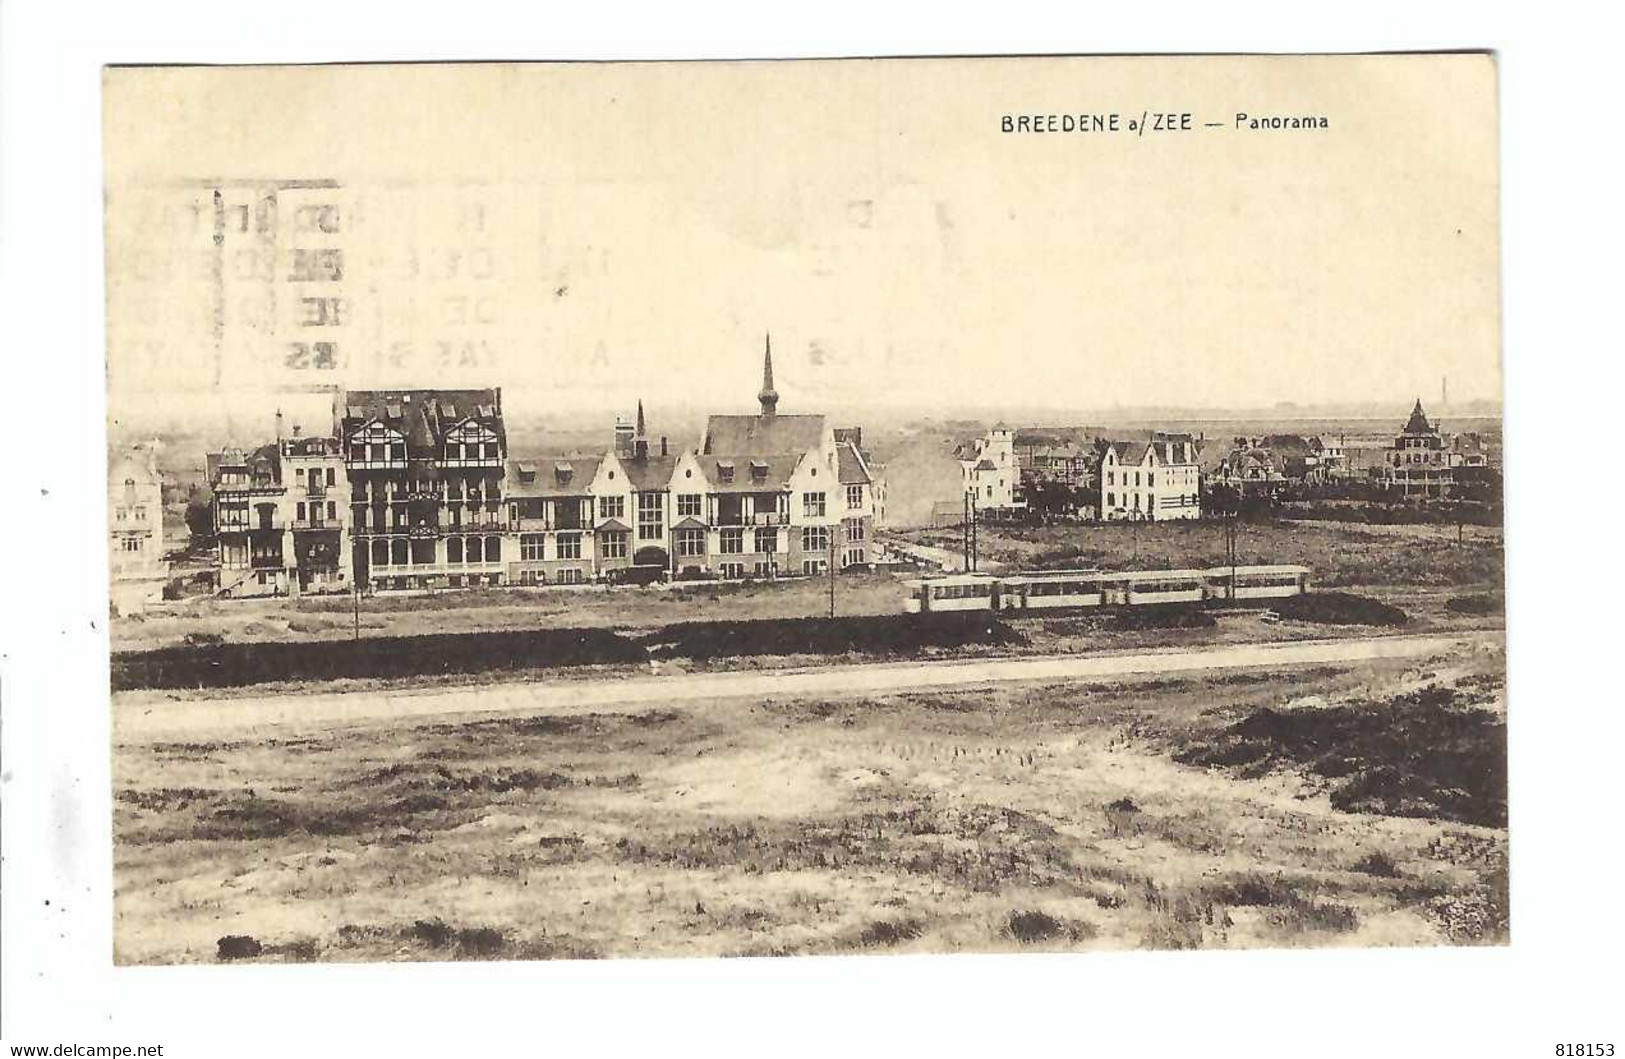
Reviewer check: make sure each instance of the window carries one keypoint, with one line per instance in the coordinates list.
(690, 542)
(141, 513)
(767, 540)
(474, 550)
(454, 549)
(812, 566)
(612, 507)
(854, 530)
(853, 557)
(570, 576)
(493, 549)
(569, 545)
(688, 505)
(762, 569)
(733, 541)
(397, 552)
(380, 553)
(299, 512)
(812, 505)
(854, 497)
(331, 509)
(132, 544)
(612, 545)
(649, 516)
(814, 538)
(531, 547)
(732, 571)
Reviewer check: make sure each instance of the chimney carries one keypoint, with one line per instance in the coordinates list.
(296, 431)
(279, 426)
(664, 450)
(623, 437)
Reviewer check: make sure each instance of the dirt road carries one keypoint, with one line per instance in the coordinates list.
(146, 721)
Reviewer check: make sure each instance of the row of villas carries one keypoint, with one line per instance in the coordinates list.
(1153, 479)
(417, 489)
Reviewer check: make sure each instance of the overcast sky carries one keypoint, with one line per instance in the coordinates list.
(586, 235)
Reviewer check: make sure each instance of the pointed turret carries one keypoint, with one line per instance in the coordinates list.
(1418, 423)
(641, 430)
(769, 396)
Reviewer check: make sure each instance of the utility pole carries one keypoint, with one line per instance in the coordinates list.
(355, 597)
(832, 531)
(975, 542)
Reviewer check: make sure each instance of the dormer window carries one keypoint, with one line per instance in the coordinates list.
(725, 470)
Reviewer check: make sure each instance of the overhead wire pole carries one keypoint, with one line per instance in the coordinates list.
(832, 530)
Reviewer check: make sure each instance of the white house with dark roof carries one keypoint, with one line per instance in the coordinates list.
(135, 511)
(990, 472)
(553, 534)
(1153, 480)
(786, 495)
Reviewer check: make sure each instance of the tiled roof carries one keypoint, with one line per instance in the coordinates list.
(759, 435)
(758, 474)
(851, 467)
(424, 416)
(545, 475)
(653, 472)
(1418, 422)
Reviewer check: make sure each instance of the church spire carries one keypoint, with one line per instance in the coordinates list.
(641, 432)
(769, 396)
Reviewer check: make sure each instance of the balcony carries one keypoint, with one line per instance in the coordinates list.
(758, 518)
(547, 525)
(471, 461)
(316, 524)
(266, 562)
(423, 531)
(475, 527)
(316, 492)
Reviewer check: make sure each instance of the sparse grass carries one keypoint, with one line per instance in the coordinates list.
(1036, 815)
(1338, 555)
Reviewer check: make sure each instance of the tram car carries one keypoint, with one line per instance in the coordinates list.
(1060, 589)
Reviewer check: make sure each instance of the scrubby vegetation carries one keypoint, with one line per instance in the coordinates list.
(1339, 608)
(884, 635)
(212, 663)
(1425, 754)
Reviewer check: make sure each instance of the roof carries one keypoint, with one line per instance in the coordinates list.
(688, 523)
(651, 472)
(852, 469)
(551, 475)
(424, 416)
(759, 435)
(614, 525)
(986, 465)
(756, 474)
(1418, 422)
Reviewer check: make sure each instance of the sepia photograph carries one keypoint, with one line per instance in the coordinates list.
(753, 509)
(990, 505)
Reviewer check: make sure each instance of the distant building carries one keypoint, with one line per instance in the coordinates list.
(251, 525)
(135, 509)
(1154, 480)
(1420, 463)
(990, 472)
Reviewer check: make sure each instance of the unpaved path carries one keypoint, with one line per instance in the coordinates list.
(239, 715)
